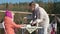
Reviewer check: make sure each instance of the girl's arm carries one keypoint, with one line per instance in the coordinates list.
(17, 25)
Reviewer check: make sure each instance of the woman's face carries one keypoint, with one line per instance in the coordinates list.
(32, 7)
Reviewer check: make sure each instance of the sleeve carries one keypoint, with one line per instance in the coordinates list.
(31, 21)
(39, 16)
(31, 18)
(16, 25)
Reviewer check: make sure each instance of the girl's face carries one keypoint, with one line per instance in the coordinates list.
(13, 15)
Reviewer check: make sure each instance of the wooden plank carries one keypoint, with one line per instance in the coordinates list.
(18, 12)
(27, 12)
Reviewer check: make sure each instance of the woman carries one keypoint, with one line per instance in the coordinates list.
(9, 23)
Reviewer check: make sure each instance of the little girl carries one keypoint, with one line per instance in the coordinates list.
(9, 23)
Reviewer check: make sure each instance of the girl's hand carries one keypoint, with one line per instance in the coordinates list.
(22, 26)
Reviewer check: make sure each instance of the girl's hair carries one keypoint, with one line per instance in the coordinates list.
(1, 20)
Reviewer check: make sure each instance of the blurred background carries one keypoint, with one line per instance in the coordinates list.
(22, 13)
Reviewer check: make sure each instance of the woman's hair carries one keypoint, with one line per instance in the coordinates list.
(32, 3)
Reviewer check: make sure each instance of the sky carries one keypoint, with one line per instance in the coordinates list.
(14, 1)
(17, 1)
